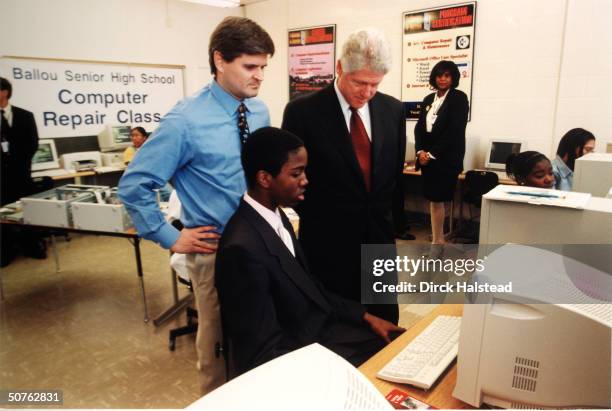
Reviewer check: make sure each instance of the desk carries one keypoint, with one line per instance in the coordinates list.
(129, 234)
(77, 175)
(410, 171)
(440, 396)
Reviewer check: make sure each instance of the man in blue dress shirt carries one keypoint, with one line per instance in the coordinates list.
(197, 148)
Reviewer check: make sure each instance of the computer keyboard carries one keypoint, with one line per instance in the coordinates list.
(422, 361)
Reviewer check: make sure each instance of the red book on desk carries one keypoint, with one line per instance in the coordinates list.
(402, 401)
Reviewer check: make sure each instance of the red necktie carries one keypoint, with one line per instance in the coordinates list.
(362, 146)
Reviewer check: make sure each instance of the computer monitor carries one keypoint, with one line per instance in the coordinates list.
(529, 356)
(593, 174)
(45, 157)
(500, 149)
(113, 138)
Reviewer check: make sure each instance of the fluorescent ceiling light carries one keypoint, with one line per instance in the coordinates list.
(217, 3)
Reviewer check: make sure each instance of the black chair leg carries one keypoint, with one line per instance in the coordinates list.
(191, 314)
(222, 349)
(190, 328)
(177, 332)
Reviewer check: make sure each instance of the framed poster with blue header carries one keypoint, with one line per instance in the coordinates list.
(432, 35)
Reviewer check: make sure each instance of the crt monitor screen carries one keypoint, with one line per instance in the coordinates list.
(113, 138)
(499, 152)
(121, 135)
(45, 156)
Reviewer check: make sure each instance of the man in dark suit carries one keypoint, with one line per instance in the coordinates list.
(356, 140)
(19, 143)
(270, 304)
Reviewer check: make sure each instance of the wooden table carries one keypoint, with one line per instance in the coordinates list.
(77, 175)
(440, 395)
(410, 171)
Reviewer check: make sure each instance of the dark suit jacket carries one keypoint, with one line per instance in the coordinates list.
(338, 214)
(23, 141)
(447, 139)
(270, 304)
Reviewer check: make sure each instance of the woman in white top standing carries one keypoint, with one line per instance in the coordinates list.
(440, 141)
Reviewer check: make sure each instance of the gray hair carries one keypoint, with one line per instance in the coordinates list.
(367, 48)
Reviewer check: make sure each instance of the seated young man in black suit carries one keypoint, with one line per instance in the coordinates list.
(270, 303)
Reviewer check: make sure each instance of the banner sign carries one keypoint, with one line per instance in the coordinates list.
(74, 98)
(312, 55)
(432, 35)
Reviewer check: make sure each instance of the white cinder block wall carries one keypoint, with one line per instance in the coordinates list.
(585, 91)
(540, 67)
(140, 31)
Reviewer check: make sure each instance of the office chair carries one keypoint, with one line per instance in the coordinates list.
(225, 348)
(191, 327)
(476, 184)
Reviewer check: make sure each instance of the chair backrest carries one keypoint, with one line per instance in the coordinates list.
(477, 183)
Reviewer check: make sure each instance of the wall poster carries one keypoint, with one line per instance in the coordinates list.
(431, 35)
(312, 56)
(73, 98)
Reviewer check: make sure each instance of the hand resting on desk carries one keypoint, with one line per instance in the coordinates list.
(382, 328)
(196, 240)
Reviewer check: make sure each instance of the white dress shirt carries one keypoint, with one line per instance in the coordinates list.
(432, 114)
(364, 113)
(8, 114)
(274, 219)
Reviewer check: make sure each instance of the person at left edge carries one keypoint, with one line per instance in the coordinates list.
(19, 137)
(197, 147)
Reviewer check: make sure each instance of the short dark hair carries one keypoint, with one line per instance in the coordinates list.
(442, 67)
(6, 85)
(236, 36)
(573, 139)
(267, 149)
(141, 130)
(519, 166)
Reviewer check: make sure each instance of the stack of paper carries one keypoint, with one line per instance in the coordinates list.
(539, 196)
(310, 378)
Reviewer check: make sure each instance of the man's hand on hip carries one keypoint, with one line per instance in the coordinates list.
(196, 240)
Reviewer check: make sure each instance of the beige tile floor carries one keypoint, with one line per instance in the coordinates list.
(81, 330)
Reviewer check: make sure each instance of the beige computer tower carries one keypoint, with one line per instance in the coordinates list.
(503, 222)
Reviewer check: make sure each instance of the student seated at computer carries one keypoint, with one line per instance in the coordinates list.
(530, 168)
(574, 144)
(270, 303)
(138, 136)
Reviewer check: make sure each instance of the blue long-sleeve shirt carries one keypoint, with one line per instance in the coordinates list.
(563, 174)
(197, 147)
